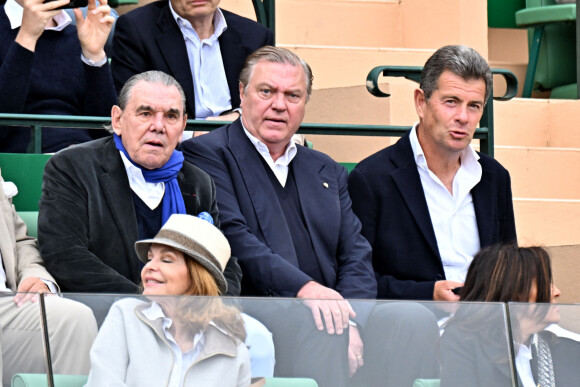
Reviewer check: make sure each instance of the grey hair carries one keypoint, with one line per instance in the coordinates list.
(275, 55)
(462, 61)
(153, 76)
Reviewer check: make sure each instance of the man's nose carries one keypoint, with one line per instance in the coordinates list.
(462, 114)
(158, 122)
(279, 101)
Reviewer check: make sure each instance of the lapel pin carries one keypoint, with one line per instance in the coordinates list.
(325, 184)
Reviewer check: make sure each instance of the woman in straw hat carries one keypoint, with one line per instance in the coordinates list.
(175, 341)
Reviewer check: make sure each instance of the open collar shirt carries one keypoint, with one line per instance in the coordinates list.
(452, 215)
(212, 94)
(280, 166)
(150, 193)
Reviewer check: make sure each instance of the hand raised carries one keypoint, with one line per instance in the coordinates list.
(94, 30)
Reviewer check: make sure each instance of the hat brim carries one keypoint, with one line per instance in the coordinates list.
(142, 249)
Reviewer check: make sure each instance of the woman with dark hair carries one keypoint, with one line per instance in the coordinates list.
(177, 341)
(475, 347)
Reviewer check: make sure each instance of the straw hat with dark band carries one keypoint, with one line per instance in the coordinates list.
(196, 238)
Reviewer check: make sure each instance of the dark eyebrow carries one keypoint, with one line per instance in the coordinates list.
(150, 109)
(174, 111)
(144, 107)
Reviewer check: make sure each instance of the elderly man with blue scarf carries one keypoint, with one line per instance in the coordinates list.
(100, 197)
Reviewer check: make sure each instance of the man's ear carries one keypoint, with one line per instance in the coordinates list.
(184, 125)
(241, 93)
(420, 100)
(116, 114)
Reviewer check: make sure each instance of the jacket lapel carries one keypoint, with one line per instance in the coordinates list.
(233, 57)
(172, 46)
(485, 204)
(115, 186)
(408, 182)
(262, 195)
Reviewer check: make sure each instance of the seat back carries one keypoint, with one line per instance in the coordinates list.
(25, 170)
(427, 383)
(40, 380)
(557, 57)
(502, 13)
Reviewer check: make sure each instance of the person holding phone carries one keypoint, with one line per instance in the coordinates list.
(51, 67)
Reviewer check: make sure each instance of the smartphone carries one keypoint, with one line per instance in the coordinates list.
(72, 4)
(457, 290)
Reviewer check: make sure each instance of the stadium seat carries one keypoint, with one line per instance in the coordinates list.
(427, 383)
(25, 170)
(31, 220)
(40, 380)
(552, 46)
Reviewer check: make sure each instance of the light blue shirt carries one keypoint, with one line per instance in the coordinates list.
(210, 85)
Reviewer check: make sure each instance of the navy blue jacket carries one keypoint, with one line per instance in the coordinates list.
(148, 38)
(253, 221)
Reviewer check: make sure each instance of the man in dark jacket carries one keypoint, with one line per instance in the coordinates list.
(100, 197)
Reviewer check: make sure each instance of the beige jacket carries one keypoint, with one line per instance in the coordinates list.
(20, 256)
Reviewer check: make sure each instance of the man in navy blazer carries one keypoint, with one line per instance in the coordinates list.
(149, 38)
(286, 212)
(429, 202)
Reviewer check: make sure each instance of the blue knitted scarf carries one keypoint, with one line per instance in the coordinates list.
(172, 200)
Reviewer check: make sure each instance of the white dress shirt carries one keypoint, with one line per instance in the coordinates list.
(212, 94)
(452, 215)
(280, 166)
(523, 365)
(150, 193)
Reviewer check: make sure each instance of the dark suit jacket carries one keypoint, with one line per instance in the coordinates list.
(472, 356)
(389, 200)
(474, 349)
(87, 225)
(148, 38)
(253, 220)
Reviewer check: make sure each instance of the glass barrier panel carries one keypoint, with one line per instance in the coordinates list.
(475, 347)
(156, 340)
(546, 341)
(21, 338)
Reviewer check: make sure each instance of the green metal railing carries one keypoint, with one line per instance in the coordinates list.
(484, 133)
(37, 121)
